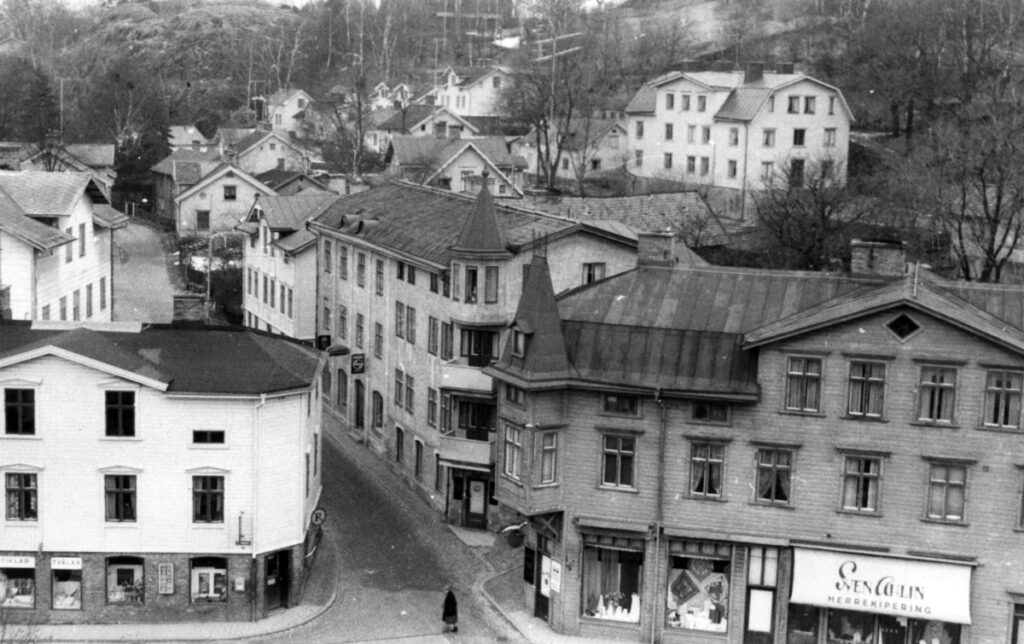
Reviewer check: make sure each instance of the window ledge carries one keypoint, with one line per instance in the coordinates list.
(866, 419)
(855, 513)
(208, 525)
(955, 524)
(211, 447)
(614, 488)
(545, 486)
(797, 412)
(711, 499)
(710, 423)
(121, 439)
(22, 437)
(609, 622)
(514, 481)
(933, 424)
(768, 504)
(22, 523)
(121, 525)
(999, 430)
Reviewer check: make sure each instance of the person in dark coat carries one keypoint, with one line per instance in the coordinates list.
(450, 612)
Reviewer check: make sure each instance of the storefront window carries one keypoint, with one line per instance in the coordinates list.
(125, 583)
(17, 587)
(209, 579)
(845, 627)
(67, 589)
(850, 626)
(611, 584)
(698, 594)
(934, 632)
(803, 624)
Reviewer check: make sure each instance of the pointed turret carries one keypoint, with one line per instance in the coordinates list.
(537, 346)
(481, 235)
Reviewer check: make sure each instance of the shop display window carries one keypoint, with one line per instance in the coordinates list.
(852, 627)
(803, 624)
(698, 594)
(67, 589)
(17, 587)
(209, 579)
(125, 582)
(611, 584)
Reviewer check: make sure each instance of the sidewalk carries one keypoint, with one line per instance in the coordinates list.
(318, 596)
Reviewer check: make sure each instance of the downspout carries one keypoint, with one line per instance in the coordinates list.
(743, 187)
(255, 501)
(662, 441)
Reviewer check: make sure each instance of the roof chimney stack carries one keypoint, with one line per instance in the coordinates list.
(656, 249)
(753, 73)
(877, 258)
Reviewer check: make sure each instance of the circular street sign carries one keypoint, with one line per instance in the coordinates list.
(319, 516)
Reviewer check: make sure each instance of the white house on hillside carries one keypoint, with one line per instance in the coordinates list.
(737, 131)
(285, 111)
(55, 247)
(155, 474)
(279, 260)
(217, 202)
(473, 91)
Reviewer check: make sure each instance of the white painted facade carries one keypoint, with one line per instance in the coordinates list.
(262, 460)
(480, 97)
(218, 202)
(291, 310)
(282, 108)
(45, 283)
(273, 152)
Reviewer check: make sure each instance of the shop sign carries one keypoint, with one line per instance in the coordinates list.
(65, 563)
(358, 363)
(556, 577)
(16, 561)
(882, 585)
(545, 576)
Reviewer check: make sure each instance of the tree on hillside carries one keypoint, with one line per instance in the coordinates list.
(28, 108)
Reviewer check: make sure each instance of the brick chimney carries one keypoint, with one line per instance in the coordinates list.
(877, 258)
(656, 249)
(752, 73)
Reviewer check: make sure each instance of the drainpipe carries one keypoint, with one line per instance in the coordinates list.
(662, 440)
(255, 502)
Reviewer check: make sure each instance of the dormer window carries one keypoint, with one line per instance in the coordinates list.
(518, 343)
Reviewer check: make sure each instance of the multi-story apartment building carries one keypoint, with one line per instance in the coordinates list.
(155, 474)
(416, 288)
(738, 131)
(279, 261)
(709, 454)
(55, 260)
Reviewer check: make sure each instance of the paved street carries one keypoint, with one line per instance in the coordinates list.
(144, 287)
(394, 557)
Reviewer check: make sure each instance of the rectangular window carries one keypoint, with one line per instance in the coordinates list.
(767, 170)
(638, 158)
(284, 293)
(515, 395)
(702, 103)
(64, 308)
(612, 582)
(830, 137)
(399, 445)
(208, 499)
(774, 472)
(202, 220)
(410, 397)
(691, 165)
(431, 407)
(799, 135)
(803, 384)
(410, 325)
(947, 487)
(549, 457)
(593, 272)
(513, 450)
(793, 106)
(705, 134)
(831, 105)
(417, 464)
(327, 316)
(69, 249)
(480, 347)
(445, 421)
(734, 136)
(668, 160)
(639, 129)
(361, 269)
(120, 413)
(705, 166)
(20, 411)
(768, 138)
(435, 280)
(936, 395)
(266, 288)
(862, 477)
(379, 276)
(67, 589)
(621, 404)
(1002, 399)
(796, 173)
(400, 320)
(360, 330)
(399, 388)
(698, 589)
(447, 341)
(81, 240)
(809, 105)
(22, 496)
(685, 102)
(433, 333)
(670, 101)
(290, 292)
(471, 275)
(378, 339)
(103, 293)
(618, 456)
(120, 497)
(476, 419)
(45, 312)
(707, 461)
(491, 284)
(76, 305)
(732, 168)
(410, 274)
(691, 133)
(19, 591)
(710, 412)
(342, 393)
(273, 292)
(208, 436)
(328, 255)
(867, 389)
(668, 131)
(342, 262)
(230, 193)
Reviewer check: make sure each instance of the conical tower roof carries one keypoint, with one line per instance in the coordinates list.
(538, 320)
(481, 234)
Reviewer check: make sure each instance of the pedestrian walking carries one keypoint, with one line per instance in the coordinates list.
(450, 612)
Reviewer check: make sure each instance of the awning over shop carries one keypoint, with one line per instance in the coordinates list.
(884, 585)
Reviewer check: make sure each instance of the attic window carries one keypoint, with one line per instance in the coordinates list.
(903, 326)
(518, 343)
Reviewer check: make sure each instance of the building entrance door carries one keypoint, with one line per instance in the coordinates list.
(276, 592)
(475, 503)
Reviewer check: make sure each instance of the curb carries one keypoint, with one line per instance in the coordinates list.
(314, 616)
(501, 609)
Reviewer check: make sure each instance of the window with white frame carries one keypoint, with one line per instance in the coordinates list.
(513, 450)
(208, 499)
(707, 464)
(1002, 399)
(862, 481)
(698, 586)
(830, 137)
(618, 459)
(774, 476)
(209, 579)
(126, 583)
(867, 389)
(22, 496)
(947, 491)
(20, 412)
(936, 394)
(119, 497)
(803, 384)
(612, 580)
(549, 457)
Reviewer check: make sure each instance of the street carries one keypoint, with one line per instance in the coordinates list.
(143, 285)
(395, 558)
